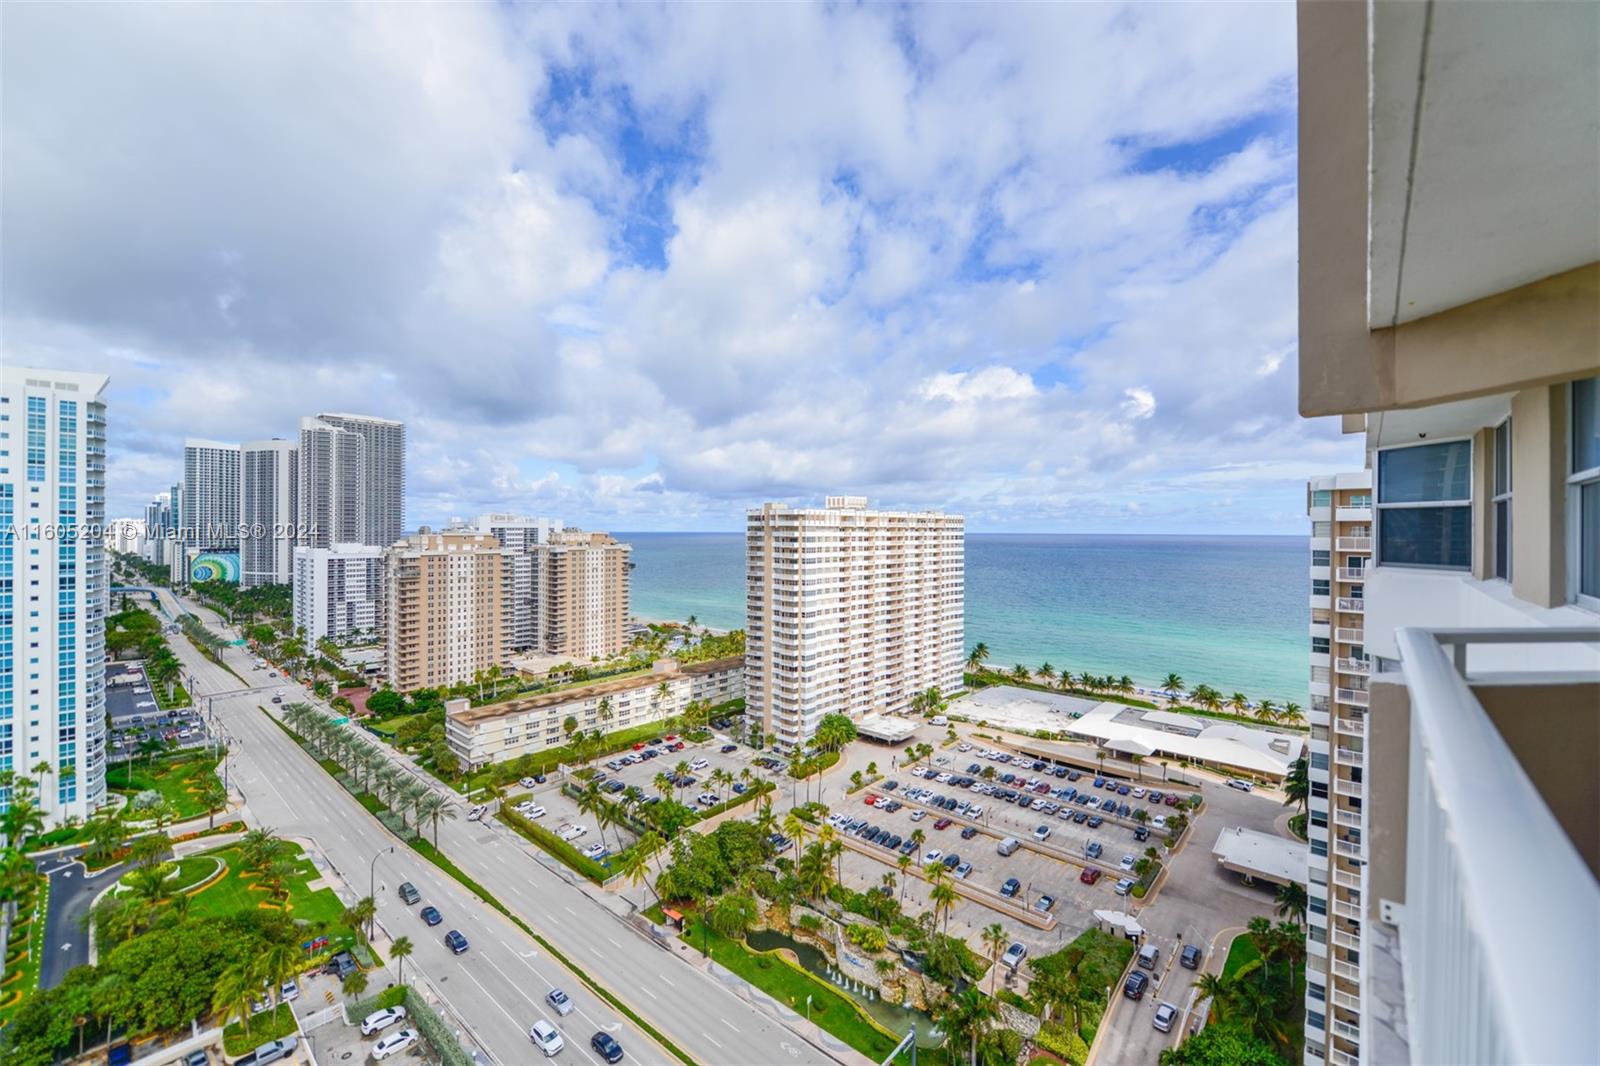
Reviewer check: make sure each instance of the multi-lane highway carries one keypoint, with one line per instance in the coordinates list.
(497, 988)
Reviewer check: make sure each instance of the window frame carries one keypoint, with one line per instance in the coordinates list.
(1379, 506)
(1576, 480)
(1500, 499)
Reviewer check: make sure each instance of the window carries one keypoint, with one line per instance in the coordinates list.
(1319, 586)
(1321, 498)
(1320, 557)
(1425, 505)
(1319, 645)
(1583, 492)
(1502, 500)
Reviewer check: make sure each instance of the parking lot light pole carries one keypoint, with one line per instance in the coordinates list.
(372, 885)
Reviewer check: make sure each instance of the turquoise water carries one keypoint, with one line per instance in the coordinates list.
(1229, 611)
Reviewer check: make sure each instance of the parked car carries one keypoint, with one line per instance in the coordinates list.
(968, 833)
(1242, 786)
(342, 965)
(1126, 862)
(1014, 956)
(918, 815)
(1123, 886)
(546, 1038)
(1044, 904)
(1011, 887)
(1141, 832)
(1166, 1014)
(431, 915)
(559, 1002)
(1134, 987)
(942, 823)
(606, 1047)
(1042, 832)
(455, 941)
(728, 748)
(275, 1050)
(1094, 849)
(1090, 875)
(963, 869)
(381, 1019)
(1191, 957)
(477, 812)
(932, 855)
(289, 991)
(393, 1044)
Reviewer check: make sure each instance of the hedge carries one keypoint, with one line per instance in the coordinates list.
(554, 845)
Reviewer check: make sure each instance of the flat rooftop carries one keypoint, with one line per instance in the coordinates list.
(1136, 731)
(594, 690)
(887, 728)
(1264, 855)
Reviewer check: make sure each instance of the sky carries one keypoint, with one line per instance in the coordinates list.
(642, 267)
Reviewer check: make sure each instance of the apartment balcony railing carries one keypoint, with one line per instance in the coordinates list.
(1353, 604)
(1350, 849)
(1348, 880)
(1346, 787)
(1354, 666)
(1469, 794)
(1346, 1030)
(1351, 757)
(1347, 726)
(1353, 544)
(1356, 696)
(1348, 635)
(1349, 941)
(1348, 819)
(1352, 573)
(1346, 970)
(1342, 1058)
(1347, 1002)
(1347, 910)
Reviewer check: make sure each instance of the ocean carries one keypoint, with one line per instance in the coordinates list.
(1229, 611)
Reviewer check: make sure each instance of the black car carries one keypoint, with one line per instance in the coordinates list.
(951, 861)
(431, 915)
(1079, 817)
(726, 748)
(1060, 771)
(1136, 984)
(606, 1046)
(974, 769)
(890, 786)
(1073, 775)
(1011, 887)
(1141, 832)
(342, 965)
(455, 941)
(968, 833)
(1190, 959)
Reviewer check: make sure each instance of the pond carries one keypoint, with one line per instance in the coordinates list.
(891, 1016)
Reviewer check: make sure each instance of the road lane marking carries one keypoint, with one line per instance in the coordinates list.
(729, 1024)
(646, 990)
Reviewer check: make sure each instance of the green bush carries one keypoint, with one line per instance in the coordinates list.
(272, 1025)
(867, 937)
(554, 845)
(1064, 1043)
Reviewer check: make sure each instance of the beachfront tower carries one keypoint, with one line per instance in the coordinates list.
(849, 610)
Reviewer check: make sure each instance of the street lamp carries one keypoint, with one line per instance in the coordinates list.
(372, 884)
(808, 1010)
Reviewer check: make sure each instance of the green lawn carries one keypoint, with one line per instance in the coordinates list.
(179, 781)
(1241, 953)
(22, 979)
(831, 1009)
(388, 727)
(271, 1025)
(321, 909)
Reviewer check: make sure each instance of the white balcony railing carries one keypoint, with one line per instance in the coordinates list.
(1353, 544)
(1349, 848)
(1355, 696)
(1347, 910)
(1348, 880)
(1346, 970)
(1347, 1001)
(1354, 604)
(1351, 757)
(1346, 787)
(1348, 726)
(1348, 635)
(1348, 819)
(1361, 667)
(1352, 573)
(1469, 794)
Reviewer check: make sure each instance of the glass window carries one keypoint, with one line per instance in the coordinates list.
(1319, 645)
(1321, 557)
(1502, 500)
(1321, 498)
(1425, 505)
(1584, 490)
(1319, 587)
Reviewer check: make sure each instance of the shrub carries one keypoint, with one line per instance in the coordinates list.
(1063, 1042)
(867, 937)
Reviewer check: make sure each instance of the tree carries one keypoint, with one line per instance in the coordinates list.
(355, 984)
(994, 938)
(966, 1016)
(400, 950)
(835, 731)
(362, 913)
(1291, 713)
(732, 914)
(1173, 685)
(1292, 902)
(1239, 702)
(978, 656)
(1047, 672)
(214, 798)
(434, 808)
(235, 988)
(277, 963)
(1297, 785)
(1222, 1043)
(904, 863)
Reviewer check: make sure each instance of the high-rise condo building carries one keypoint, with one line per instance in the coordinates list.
(210, 513)
(125, 535)
(268, 502)
(581, 590)
(521, 534)
(383, 475)
(338, 592)
(1450, 313)
(160, 523)
(332, 505)
(53, 587)
(849, 611)
(447, 599)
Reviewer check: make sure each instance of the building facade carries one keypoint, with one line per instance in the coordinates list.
(850, 611)
(501, 731)
(339, 592)
(331, 485)
(1450, 314)
(160, 523)
(521, 534)
(383, 475)
(447, 605)
(582, 582)
(54, 591)
(209, 518)
(268, 503)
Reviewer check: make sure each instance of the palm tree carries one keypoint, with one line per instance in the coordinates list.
(230, 997)
(400, 950)
(917, 838)
(42, 768)
(967, 1015)
(1292, 902)
(361, 913)
(1297, 785)
(1173, 685)
(979, 656)
(1239, 702)
(278, 962)
(994, 938)
(214, 798)
(1291, 713)
(259, 847)
(355, 984)
(1267, 711)
(795, 828)
(434, 808)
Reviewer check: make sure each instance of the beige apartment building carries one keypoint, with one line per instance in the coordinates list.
(1450, 313)
(849, 610)
(447, 606)
(582, 580)
(508, 730)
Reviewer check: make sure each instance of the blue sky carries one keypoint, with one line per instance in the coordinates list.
(646, 266)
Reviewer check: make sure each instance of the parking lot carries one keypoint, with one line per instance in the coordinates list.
(694, 764)
(135, 717)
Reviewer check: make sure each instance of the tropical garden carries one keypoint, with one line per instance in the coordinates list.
(1256, 1001)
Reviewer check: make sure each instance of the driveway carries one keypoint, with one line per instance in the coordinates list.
(72, 892)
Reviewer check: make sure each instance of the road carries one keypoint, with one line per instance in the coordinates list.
(66, 937)
(506, 974)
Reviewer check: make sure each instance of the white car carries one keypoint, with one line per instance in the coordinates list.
(381, 1019)
(1159, 821)
(918, 815)
(527, 782)
(394, 1043)
(963, 746)
(573, 832)
(546, 1039)
(1124, 886)
(1127, 862)
(931, 855)
(289, 991)
(699, 764)
(477, 812)
(1242, 786)
(594, 851)
(917, 771)
(1138, 792)
(1042, 832)
(559, 1002)
(530, 810)
(943, 779)
(975, 811)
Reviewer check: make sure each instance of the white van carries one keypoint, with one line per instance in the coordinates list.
(940, 719)
(1008, 845)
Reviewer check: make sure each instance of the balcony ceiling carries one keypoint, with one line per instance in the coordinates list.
(1492, 183)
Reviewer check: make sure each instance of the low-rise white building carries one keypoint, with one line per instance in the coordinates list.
(338, 591)
(501, 731)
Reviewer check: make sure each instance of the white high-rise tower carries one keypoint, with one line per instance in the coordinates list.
(268, 503)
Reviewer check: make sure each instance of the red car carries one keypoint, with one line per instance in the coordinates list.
(1042, 788)
(672, 736)
(639, 746)
(942, 823)
(872, 800)
(1090, 875)
(1171, 800)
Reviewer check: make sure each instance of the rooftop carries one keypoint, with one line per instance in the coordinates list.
(671, 669)
(1264, 855)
